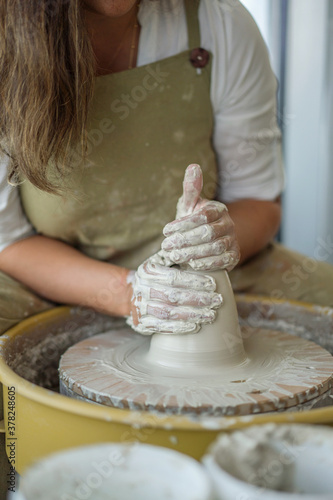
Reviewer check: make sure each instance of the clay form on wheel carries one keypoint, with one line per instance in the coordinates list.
(216, 344)
(217, 371)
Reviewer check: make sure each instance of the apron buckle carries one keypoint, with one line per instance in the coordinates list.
(199, 57)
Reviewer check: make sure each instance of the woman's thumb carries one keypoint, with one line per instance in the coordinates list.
(192, 186)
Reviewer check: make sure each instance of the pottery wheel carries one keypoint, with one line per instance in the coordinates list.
(279, 371)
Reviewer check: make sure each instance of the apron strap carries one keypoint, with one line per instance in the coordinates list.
(193, 29)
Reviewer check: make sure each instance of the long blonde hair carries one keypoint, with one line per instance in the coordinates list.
(47, 72)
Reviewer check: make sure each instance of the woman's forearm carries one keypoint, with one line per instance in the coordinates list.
(256, 223)
(58, 272)
(62, 274)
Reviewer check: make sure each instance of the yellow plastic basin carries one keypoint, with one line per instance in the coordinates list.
(39, 421)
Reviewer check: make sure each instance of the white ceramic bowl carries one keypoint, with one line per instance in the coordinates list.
(116, 471)
(305, 462)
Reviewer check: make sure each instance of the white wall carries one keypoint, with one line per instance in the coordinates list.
(260, 10)
(307, 223)
(266, 14)
(308, 119)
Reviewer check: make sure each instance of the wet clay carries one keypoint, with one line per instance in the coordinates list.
(217, 344)
(291, 458)
(220, 370)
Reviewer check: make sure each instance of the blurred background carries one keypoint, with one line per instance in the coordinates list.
(299, 37)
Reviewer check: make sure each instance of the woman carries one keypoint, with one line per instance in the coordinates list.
(114, 206)
(105, 103)
(145, 126)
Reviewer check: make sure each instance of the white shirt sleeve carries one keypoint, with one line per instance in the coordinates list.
(247, 139)
(14, 225)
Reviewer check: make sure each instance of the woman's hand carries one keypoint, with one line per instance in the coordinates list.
(170, 300)
(203, 234)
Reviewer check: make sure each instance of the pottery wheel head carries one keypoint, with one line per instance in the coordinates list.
(279, 371)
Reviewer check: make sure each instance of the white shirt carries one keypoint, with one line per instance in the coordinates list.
(243, 94)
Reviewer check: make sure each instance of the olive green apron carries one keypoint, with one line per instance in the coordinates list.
(146, 125)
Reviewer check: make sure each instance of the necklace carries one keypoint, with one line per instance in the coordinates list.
(134, 38)
(131, 58)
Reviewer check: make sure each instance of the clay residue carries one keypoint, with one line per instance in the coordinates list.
(36, 358)
(313, 323)
(265, 456)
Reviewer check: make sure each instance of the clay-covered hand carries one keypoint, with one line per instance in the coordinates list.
(203, 234)
(170, 300)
